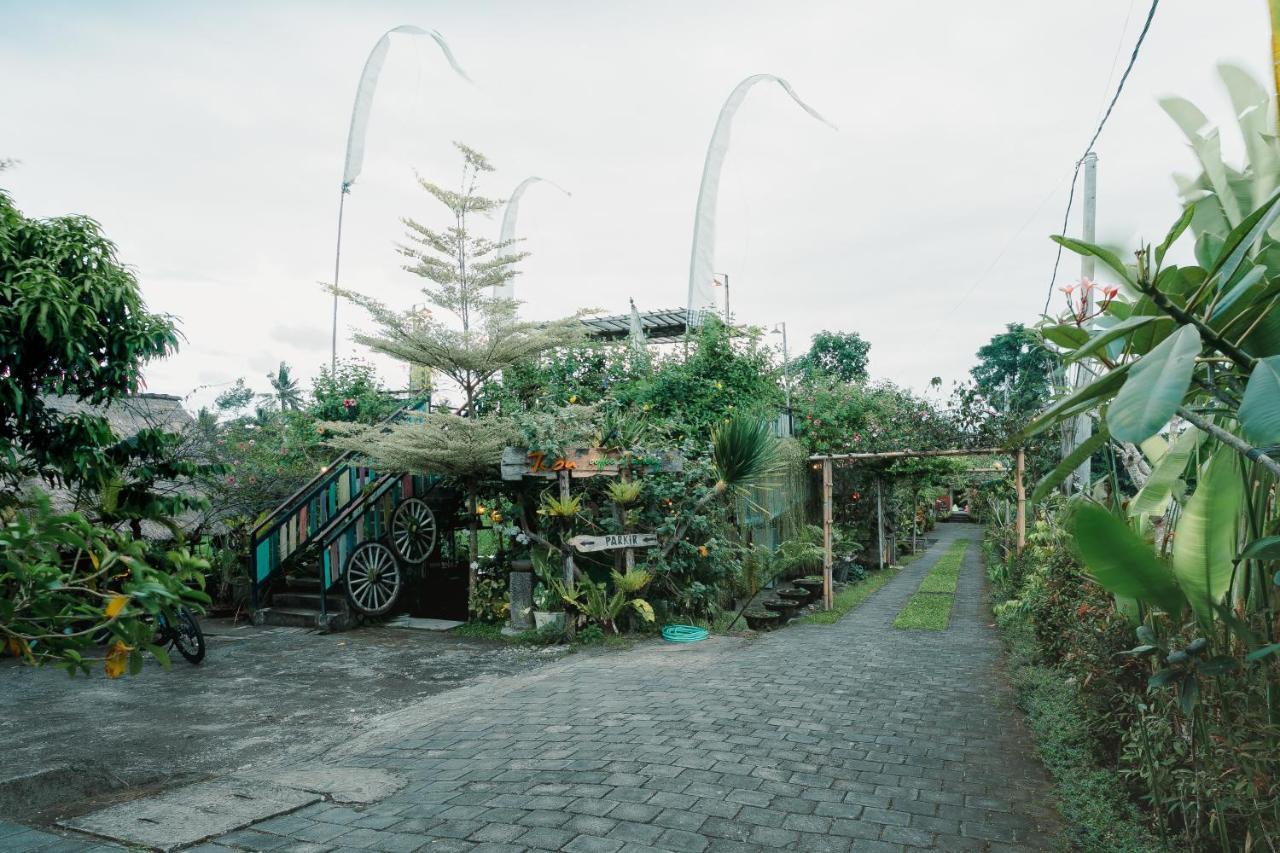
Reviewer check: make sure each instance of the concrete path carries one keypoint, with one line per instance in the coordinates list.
(854, 736)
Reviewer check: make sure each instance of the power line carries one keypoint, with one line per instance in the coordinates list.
(1075, 174)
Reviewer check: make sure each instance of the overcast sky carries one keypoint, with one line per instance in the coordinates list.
(208, 139)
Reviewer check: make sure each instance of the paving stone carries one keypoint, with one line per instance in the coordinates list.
(853, 736)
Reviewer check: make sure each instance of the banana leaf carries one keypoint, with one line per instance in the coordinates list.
(1155, 387)
(1204, 543)
(1121, 561)
(1260, 409)
(1155, 493)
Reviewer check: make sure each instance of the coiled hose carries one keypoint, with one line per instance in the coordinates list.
(684, 633)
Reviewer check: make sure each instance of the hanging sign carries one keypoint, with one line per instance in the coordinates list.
(518, 462)
(609, 542)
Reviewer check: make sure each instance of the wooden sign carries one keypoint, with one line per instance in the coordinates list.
(617, 540)
(518, 463)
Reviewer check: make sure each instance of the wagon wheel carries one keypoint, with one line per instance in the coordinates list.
(413, 531)
(372, 578)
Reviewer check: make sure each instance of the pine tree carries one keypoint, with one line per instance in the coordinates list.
(459, 269)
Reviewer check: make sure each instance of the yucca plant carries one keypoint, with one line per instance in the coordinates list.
(744, 454)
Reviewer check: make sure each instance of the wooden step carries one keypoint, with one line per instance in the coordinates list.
(300, 617)
(294, 597)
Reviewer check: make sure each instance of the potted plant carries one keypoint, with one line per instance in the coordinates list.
(547, 608)
(812, 583)
(759, 619)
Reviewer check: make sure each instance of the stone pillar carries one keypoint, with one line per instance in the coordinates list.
(520, 594)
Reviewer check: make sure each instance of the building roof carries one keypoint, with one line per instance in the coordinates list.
(127, 417)
(665, 326)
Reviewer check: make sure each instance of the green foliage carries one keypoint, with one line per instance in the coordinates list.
(836, 356)
(1155, 386)
(350, 392)
(853, 418)
(72, 322)
(65, 585)
(488, 601)
(1092, 800)
(593, 600)
(1122, 562)
(286, 393)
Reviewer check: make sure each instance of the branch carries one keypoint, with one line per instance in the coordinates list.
(1235, 443)
(1242, 359)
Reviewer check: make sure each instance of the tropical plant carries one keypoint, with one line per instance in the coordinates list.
(67, 587)
(72, 322)
(744, 453)
(286, 393)
(594, 602)
(624, 492)
(836, 356)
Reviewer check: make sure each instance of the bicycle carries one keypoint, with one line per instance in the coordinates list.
(185, 635)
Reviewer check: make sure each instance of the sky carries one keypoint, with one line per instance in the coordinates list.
(208, 140)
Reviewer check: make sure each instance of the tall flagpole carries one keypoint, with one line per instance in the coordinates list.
(337, 265)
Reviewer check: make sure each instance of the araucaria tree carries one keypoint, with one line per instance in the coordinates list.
(459, 269)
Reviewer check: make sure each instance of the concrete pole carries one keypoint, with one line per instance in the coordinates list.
(1083, 426)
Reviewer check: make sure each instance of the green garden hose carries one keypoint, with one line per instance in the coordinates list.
(684, 633)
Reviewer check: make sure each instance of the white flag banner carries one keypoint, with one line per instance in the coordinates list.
(703, 254)
(507, 233)
(369, 84)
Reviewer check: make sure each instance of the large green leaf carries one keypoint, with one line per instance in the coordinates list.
(1175, 232)
(1243, 237)
(1204, 542)
(1065, 335)
(1106, 336)
(1260, 409)
(1154, 496)
(1104, 386)
(1071, 462)
(1155, 387)
(1266, 548)
(1119, 560)
(1080, 247)
(1204, 140)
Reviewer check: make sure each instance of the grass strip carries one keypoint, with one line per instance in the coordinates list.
(930, 608)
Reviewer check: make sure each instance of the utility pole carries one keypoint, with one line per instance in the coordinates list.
(715, 283)
(786, 369)
(1082, 428)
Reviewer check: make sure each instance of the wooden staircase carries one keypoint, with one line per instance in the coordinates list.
(296, 604)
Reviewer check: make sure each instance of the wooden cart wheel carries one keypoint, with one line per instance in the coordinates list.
(413, 531)
(372, 578)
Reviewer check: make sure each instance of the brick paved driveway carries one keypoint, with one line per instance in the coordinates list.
(853, 736)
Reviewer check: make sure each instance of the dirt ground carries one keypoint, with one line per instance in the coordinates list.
(73, 744)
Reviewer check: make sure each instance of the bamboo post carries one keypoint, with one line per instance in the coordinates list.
(563, 478)
(879, 524)
(828, 600)
(1021, 490)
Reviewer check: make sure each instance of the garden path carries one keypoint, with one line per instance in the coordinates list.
(853, 736)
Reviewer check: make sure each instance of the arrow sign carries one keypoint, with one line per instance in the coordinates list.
(609, 542)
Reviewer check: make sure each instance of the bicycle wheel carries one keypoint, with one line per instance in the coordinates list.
(188, 639)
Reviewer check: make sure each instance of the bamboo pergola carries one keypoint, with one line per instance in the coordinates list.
(828, 463)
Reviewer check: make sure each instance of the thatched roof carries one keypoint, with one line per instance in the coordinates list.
(127, 417)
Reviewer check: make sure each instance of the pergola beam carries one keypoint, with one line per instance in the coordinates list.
(909, 454)
(827, 460)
